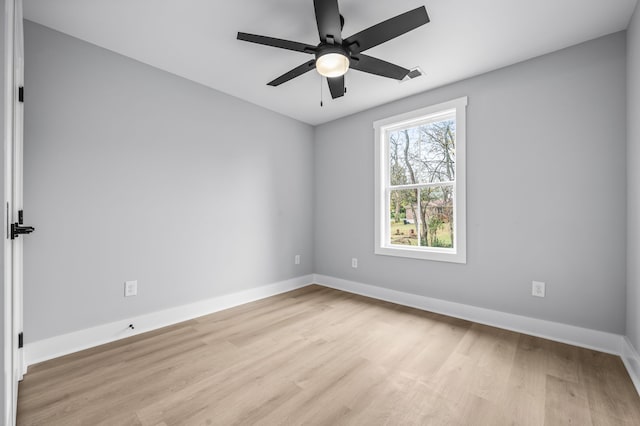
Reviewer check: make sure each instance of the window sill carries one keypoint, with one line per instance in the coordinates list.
(440, 255)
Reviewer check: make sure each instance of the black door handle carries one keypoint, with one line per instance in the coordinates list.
(17, 230)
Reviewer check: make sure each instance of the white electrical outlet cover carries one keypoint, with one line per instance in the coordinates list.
(538, 288)
(130, 288)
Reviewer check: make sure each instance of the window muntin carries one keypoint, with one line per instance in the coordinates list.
(420, 186)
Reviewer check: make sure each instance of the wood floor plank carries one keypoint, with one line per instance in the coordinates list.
(566, 403)
(524, 399)
(324, 357)
(492, 351)
(609, 388)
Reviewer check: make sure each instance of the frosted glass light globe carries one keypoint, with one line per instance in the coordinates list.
(332, 65)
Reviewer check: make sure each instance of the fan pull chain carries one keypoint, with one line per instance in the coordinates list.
(321, 103)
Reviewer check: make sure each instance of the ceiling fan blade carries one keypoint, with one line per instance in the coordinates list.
(277, 42)
(378, 67)
(297, 71)
(336, 86)
(387, 30)
(328, 19)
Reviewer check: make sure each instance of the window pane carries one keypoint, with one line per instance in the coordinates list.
(436, 216)
(403, 211)
(423, 154)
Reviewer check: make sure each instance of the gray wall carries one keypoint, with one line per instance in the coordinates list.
(633, 180)
(546, 191)
(134, 173)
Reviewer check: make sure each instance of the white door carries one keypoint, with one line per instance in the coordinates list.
(14, 365)
(18, 126)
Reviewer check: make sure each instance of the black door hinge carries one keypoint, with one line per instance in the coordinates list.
(20, 340)
(21, 94)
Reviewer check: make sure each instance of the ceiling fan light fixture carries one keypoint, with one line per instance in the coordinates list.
(332, 64)
(334, 54)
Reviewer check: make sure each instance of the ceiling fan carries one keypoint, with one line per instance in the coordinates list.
(335, 55)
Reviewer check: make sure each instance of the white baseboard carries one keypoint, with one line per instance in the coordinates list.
(54, 347)
(577, 336)
(631, 360)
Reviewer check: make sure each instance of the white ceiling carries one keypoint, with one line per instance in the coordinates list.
(196, 39)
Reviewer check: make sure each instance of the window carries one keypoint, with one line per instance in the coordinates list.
(420, 183)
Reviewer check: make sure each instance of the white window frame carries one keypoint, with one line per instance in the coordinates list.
(457, 254)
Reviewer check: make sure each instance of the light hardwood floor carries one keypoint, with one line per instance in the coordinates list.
(325, 357)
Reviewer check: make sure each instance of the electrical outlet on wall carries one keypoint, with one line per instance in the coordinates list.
(537, 288)
(297, 259)
(131, 288)
(354, 262)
